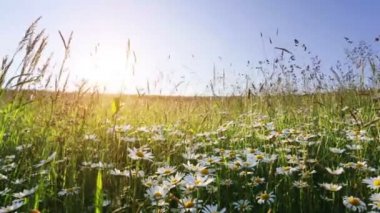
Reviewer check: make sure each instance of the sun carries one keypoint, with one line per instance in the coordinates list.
(106, 66)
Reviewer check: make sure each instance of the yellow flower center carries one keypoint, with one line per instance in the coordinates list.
(360, 165)
(334, 188)
(286, 168)
(174, 181)
(264, 196)
(376, 182)
(188, 204)
(157, 195)
(259, 157)
(354, 201)
(140, 154)
(198, 182)
(167, 172)
(205, 171)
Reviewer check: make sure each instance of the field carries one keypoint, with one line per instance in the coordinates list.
(88, 152)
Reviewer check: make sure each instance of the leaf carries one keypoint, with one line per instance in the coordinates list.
(99, 193)
(115, 105)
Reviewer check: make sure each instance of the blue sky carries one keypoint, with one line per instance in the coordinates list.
(197, 34)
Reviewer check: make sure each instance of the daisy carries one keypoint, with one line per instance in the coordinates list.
(191, 167)
(269, 158)
(361, 165)
(250, 163)
(205, 171)
(157, 194)
(25, 193)
(257, 181)
(208, 161)
(375, 198)
(188, 204)
(166, 170)
(372, 183)
(331, 187)
(336, 150)
(265, 198)
(242, 205)
(286, 170)
(235, 165)
(117, 172)
(16, 204)
(69, 191)
(141, 153)
(354, 204)
(149, 181)
(337, 171)
(175, 180)
(300, 184)
(188, 189)
(189, 155)
(197, 180)
(212, 209)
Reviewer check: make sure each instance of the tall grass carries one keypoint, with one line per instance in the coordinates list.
(89, 152)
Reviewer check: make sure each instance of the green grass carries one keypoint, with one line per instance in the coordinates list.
(89, 152)
(92, 138)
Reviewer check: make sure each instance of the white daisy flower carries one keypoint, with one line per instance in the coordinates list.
(16, 204)
(213, 209)
(265, 198)
(25, 193)
(375, 199)
(372, 183)
(189, 204)
(197, 180)
(166, 170)
(117, 172)
(300, 184)
(336, 150)
(141, 153)
(257, 181)
(354, 204)
(286, 170)
(69, 191)
(175, 180)
(337, 171)
(331, 187)
(156, 194)
(242, 205)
